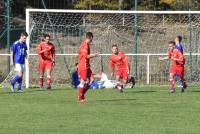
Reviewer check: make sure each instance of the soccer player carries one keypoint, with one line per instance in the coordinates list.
(17, 58)
(179, 46)
(119, 60)
(177, 65)
(46, 55)
(84, 71)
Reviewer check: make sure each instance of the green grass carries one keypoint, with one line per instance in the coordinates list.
(142, 110)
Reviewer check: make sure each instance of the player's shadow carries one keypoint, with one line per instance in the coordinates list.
(115, 100)
(147, 91)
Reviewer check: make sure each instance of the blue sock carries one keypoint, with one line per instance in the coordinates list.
(20, 84)
(15, 79)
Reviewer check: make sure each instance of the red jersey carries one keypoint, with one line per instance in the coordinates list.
(83, 52)
(178, 55)
(49, 54)
(120, 60)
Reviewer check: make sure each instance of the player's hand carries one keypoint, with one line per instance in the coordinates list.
(128, 72)
(160, 58)
(96, 54)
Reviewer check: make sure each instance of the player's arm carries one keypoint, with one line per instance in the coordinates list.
(112, 67)
(53, 54)
(84, 51)
(39, 52)
(125, 60)
(12, 55)
(164, 58)
(180, 57)
(92, 55)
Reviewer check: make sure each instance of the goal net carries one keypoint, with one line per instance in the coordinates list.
(143, 35)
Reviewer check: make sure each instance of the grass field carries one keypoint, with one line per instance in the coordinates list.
(142, 110)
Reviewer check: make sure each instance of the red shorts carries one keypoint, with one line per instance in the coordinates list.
(177, 71)
(122, 74)
(84, 74)
(46, 64)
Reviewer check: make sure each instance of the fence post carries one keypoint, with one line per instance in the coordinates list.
(148, 68)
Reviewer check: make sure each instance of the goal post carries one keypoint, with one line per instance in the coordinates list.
(155, 29)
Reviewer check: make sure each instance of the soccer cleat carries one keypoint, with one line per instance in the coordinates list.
(48, 87)
(19, 91)
(11, 87)
(172, 90)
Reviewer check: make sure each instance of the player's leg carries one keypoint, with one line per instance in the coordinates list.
(16, 78)
(41, 73)
(80, 94)
(48, 71)
(171, 82)
(20, 74)
(180, 72)
(125, 77)
(90, 77)
(117, 80)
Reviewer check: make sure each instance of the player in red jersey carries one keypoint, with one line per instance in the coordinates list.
(177, 65)
(119, 60)
(46, 55)
(84, 71)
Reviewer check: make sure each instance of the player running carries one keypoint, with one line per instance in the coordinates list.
(46, 56)
(84, 71)
(119, 60)
(177, 66)
(17, 58)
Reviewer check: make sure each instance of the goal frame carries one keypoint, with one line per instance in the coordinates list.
(102, 12)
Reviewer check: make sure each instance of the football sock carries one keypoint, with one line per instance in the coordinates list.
(80, 95)
(20, 83)
(41, 82)
(15, 79)
(171, 81)
(48, 81)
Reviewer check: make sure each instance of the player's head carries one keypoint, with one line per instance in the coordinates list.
(115, 49)
(89, 37)
(171, 45)
(178, 39)
(23, 36)
(46, 38)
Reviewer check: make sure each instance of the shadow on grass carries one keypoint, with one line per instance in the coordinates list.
(147, 91)
(114, 100)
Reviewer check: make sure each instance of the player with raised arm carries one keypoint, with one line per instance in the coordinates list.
(17, 58)
(177, 65)
(119, 60)
(46, 56)
(84, 71)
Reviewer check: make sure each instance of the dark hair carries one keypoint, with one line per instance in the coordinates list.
(114, 45)
(89, 35)
(76, 64)
(24, 34)
(46, 35)
(179, 38)
(172, 42)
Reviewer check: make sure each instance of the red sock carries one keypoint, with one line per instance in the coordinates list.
(41, 82)
(80, 95)
(171, 81)
(48, 81)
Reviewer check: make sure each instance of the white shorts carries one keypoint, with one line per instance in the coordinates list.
(19, 67)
